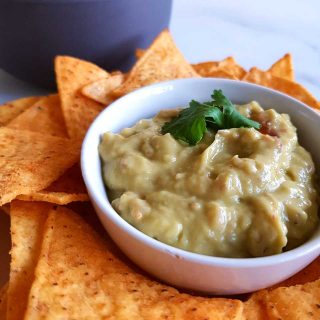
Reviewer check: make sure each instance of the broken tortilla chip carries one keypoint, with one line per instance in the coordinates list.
(283, 68)
(100, 90)
(228, 65)
(291, 88)
(27, 221)
(72, 75)
(12, 109)
(76, 265)
(43, 116)
(161, 61)
(68, 188)
(30, 161)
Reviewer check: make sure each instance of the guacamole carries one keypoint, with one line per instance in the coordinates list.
(239, 192)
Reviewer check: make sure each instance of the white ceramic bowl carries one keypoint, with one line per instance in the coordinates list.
(175, 266)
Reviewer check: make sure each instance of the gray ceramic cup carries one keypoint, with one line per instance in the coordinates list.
(106, 32)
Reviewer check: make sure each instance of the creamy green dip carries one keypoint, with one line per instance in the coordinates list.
(238, 193)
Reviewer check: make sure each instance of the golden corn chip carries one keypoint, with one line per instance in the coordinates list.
(27, 221)
(12, 109)
(68, 188)
(43, 116)
(294, 303)
(77, 266)
(228, 65)
(283, 68)
(100, 90)
(3, 301)
(72, 75)
(161, 61)
(291, 88)
(30, 161)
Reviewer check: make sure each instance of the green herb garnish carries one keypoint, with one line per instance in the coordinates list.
(192, 122)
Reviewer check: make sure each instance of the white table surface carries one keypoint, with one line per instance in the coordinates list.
(256, 33)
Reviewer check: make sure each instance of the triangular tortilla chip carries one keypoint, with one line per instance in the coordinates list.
(77, 277)
(27, 221)
(291, 88)
(294, 303)
(12, 109)
(161, 61)
(68, 188)
(228, 65)
(43, 116)
(100, 90)
(3, 301)
(30, 161)
(283, 68)
(72, 75)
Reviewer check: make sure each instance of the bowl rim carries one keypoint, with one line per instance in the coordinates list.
(105, 206)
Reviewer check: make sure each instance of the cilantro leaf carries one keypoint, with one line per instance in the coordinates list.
(232, 117)
(192, 122)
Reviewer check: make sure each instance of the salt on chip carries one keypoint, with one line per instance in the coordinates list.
(72, 75)
(161, 61)
(27, 221)
(44, 116)
(68, 188)
(100, 90)
(294, 303)
(12, 109)
(228, 65)
(283, 68)
(30, 162)
(77, 266)
(289, 87)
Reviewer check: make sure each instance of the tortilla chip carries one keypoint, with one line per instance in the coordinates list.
(77, 266)
(283, 68)
(228, 65)
(100, 90)
(254, 308)
(30, 161)
(72, 75)
(162, 61)
(27, 221)
(12, 109)
(3, 301)
(291, 88)
(44, 116)
(294, 303)
(68, 188)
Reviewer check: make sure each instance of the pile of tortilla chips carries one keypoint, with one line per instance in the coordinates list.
(63, 266)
